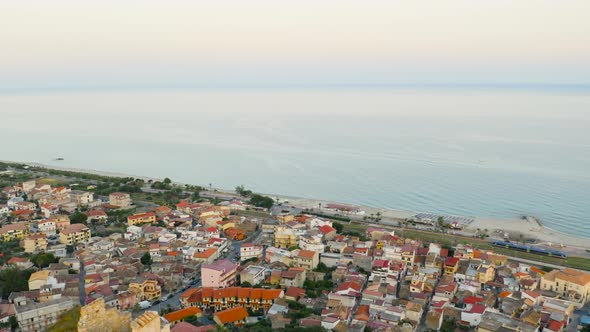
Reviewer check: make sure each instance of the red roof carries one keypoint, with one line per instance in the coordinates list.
(451, 261)
(295, 292)
(472, 300)
(477, 309)
(555, 325)
(306, 254)
(182, 204)
(326, 229)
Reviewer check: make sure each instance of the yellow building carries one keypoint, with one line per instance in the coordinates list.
(74, 233)
(35, 243)
(38, 279)
(141, 218)
(486, 273)
(16, 231)
(285, 238)
(572, 285)
(145, 289)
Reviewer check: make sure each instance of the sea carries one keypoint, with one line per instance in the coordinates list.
(482, 151)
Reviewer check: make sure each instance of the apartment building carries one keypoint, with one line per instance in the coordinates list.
(221, 273)
(36, 317)
(74, 233)
(145, 289)
(285, 238)
(253, 274)
(141, 218)
(250, 250)
(122, 200)
(35, 242)
(231, 297)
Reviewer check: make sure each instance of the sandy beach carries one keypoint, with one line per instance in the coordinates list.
(546, 237)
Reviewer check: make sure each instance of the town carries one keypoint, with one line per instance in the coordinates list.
(94, 253)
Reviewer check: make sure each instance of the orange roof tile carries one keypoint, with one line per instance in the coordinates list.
(231, 315)
(182, 314)
(306, 254)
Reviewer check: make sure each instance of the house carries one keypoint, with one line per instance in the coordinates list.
(49, 209)
(141, 218)
(81, 198)
(182, 314)
(221, 273)
(473, 313)
(451, 265)
(236, 316)
(294, 293)
(328, 232)
(249, 251)
(98, 216)
(20, 262)
(253, 275)
(306, 259)
(61, 221)
(121, 200)
(293, 277)
(208, 256)
(47, 227)
(74, 233)
(145, 289)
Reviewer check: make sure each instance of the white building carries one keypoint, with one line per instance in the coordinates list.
(250, 250)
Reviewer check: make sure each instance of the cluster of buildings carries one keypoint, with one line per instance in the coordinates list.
(375, 280)
(179, 240)
(388, 283)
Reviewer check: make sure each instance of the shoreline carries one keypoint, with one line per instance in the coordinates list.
(546, 236)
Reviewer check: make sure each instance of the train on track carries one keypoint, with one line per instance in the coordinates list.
(534, 250)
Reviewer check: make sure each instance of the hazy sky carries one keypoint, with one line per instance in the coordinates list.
(277, 42)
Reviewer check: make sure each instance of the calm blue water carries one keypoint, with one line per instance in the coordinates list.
(496, 153)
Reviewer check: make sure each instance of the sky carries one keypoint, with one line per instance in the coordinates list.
(126, 43)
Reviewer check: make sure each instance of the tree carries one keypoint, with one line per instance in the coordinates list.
(240, 190)
(261, 201)
(338, 226)
(42, 260)
(78, 218)
(167, 181)
(13, 279)
(146, 259)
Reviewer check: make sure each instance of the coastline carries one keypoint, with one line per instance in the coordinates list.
(546, 236)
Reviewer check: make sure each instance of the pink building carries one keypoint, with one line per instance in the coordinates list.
(219, 274)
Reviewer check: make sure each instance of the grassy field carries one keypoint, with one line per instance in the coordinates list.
(50, 181)
(449, 240)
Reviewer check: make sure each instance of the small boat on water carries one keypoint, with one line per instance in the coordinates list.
(59, 159)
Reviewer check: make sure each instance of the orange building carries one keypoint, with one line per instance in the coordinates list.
(234, 234)
(223, 298)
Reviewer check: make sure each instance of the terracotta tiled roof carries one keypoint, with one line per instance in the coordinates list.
(306, 254)
(231, 315)
(182, 314)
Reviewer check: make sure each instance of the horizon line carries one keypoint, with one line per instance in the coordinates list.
(288, 86)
